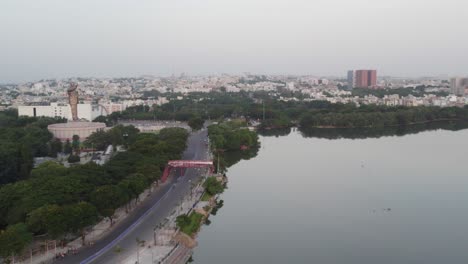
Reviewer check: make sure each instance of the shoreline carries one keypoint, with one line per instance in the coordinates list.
(388, 126)
(296, 124)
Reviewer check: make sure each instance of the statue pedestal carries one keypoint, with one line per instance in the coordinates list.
(64, 131)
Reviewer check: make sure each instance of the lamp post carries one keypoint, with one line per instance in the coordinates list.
(217, 168)
(192, 185)
(138, 241)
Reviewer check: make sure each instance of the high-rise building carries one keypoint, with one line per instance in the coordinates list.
(351, 79)
(373, 78)
(459, 86)
(365, 78)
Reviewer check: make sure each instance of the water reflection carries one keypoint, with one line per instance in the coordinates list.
(232, 157)
(275, 132)
(313, 200)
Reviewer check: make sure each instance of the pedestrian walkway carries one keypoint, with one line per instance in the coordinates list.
(152, 251)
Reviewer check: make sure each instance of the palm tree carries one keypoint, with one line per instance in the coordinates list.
(118, 250)
(140, 243)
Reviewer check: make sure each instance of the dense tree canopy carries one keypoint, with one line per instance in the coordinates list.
(22, 139)
(118, 135)
(231, 142)
(56, 201)
(213, 186)
(231, 135)
(274, 113)
(196, 123)
(14, 239)
(380, 116)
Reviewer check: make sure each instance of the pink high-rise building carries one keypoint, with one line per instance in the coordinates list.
(366, 79)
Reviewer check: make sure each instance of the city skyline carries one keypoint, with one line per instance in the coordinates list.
(50, 39)
(343, 77)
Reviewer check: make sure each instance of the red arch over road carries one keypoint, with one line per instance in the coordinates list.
(185, 164)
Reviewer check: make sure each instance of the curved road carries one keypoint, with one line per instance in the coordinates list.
(141, 222)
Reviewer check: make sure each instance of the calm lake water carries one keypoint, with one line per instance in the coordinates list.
(309, 200)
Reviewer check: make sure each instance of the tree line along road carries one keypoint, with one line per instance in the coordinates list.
(142, 221)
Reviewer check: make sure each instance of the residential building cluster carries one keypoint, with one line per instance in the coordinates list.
(103, 96)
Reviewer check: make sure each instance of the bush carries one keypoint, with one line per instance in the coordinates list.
(213, 186)
(73, 159)
(189, 224)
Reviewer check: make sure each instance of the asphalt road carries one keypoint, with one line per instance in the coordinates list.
(150, 213)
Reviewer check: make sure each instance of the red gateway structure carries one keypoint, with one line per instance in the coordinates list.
(183, 164)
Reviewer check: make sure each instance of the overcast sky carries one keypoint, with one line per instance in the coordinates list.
(119, 38)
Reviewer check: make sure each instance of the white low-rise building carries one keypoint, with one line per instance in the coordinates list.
(85, 111)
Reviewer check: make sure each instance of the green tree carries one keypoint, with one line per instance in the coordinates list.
(55, 147)
(213, 186)
(151, 171)
(98, 140)
(14, 239)
(76, 143)
(73, 158)
(182, 220)
(196, 123)
(107, 199)
(67, 149)
(49, 219)
(80, 216)
(134, 185)
(103, 119)
(49, 168)
(26, 160)
(118, 135)
(9, 162)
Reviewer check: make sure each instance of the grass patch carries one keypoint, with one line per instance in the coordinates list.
(189, 224)
(206, 197)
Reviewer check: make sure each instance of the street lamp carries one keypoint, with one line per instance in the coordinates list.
(192, 187)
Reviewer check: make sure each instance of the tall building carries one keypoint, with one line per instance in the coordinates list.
(351, 79)
(373, 78)
(366, 78)
(459, 86)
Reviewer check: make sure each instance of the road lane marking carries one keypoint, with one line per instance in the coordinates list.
(124, 233)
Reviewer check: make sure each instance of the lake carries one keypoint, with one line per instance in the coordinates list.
(393, 199)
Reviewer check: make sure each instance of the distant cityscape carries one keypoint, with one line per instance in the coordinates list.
(103, 96)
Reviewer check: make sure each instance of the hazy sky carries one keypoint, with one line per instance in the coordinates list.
(116, 38)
